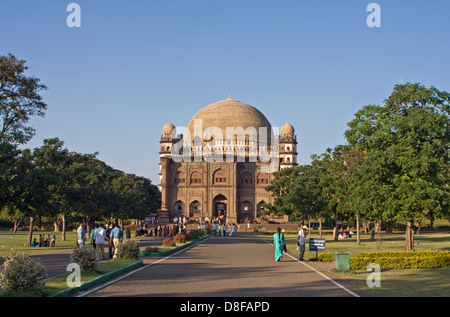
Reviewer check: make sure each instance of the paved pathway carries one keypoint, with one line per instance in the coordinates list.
(239, 266)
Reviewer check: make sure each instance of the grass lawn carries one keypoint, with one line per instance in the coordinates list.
(59, 283)
(405, 283)
(389, 242)
(10, 241)
(394, 283)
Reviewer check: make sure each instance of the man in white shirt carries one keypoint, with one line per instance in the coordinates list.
(301, 242)
(100, 237)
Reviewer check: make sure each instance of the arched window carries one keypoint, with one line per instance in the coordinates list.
(180, 178)
(260, 209)
(246, 178)
(195, 209)
(196, 179)
(246, 207)
(179, 207)
(220, 177)
(262, 179)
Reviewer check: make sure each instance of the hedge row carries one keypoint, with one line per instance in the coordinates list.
(402, 260)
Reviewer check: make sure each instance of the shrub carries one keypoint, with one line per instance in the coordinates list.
(151, 249)
(402, 260)
(198, 233)
(183, 237)
(86, 258)
(22, 273)
(128, 249)
(325, 257)
(179, 238)
(169, 243)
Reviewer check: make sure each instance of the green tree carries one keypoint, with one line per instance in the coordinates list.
(406, 142)
(78, 180)
(311, 201)
(29, 190)
(337, 180)
(298, 193)
(284, 190)
(19, 100)
(133, 196)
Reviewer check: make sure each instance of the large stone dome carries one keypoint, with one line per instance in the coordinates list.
(230, 113)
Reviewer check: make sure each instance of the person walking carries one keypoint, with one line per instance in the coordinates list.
(232, 229)
(93, 235)
(278, 242)
(115, 238)
(100, 237)
(301, 242)
(81, 235)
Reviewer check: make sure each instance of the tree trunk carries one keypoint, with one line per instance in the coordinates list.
(366, 226)
(63, 235)
(16, 225)
(309, 226)
(358, 236)
(409, 236)
(320, 227)
(30, 232)
(88, 225)
(389, 227)
(419, 226)
(378, 231)
(55, 226)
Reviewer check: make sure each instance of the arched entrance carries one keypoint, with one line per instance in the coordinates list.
(179, 208)
(195, 209)
(260, 209)
(220, 204)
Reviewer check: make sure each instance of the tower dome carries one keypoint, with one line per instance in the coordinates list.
(168, 128)
(287, 129)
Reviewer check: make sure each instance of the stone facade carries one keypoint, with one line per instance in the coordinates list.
(212, 188)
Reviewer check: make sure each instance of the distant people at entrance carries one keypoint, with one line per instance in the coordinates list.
(232, 229)
(215, 227)
(220, 228)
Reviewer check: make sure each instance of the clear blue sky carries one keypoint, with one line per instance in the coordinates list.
(135, 65)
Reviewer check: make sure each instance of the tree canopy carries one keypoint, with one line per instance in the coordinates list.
(394, 167)
(50, 181)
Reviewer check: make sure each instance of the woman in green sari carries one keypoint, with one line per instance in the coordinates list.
(278, 242)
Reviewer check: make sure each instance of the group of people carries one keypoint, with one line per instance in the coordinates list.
(171, 230)
(44, 242)
(279, 243)
(99, 237)
(221, 229)
(345, 234)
